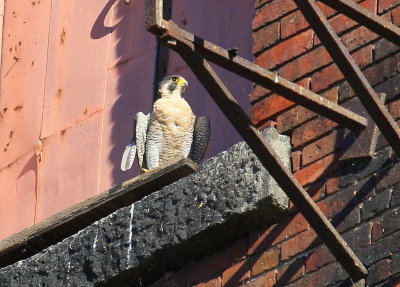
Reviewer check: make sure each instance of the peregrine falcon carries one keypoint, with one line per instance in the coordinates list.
(171, 130)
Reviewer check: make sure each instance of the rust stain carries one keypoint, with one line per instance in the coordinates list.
(1, 117)
(11, 134)
(85, 112)
(63, 132)
(33, 62)
(5, 110)
(62, 36)
(17, 108)
(33, 3)
(59, 93)
(39, 150)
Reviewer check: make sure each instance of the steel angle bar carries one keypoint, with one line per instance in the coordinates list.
(366, 18)
(226, 102)
(269, 80)
(352, 72)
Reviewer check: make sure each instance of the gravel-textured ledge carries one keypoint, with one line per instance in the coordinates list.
(229, 196)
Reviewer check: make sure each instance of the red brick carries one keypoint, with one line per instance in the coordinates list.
(287, 228)
(385, 5)
(316, 170)
(273, 104)
(311, 131)
(358, 37)
(333, 185)
(296, 160)
(263, 110)
(320, 148)
(326, 78)
(378, 272)
(265, 261)
(340, 23)
(258, 92)
(394, 109)
(336, 202)
(316, 190)
(215, 282)
(265, 37)
(298, 243)
(210, 266)
(261, 2)
(292, 118)
(298, 115)
(272, 11)
(377, 229)
(176, 279)
(239, 250)
(382, 70)
(293, 23)
(318, 258)
(235, 274)
(396, 16)
(305, 64)
(286, 51)
(265, 280)
(325, 276)
(267, 124)
(332, 74)
(290, 272)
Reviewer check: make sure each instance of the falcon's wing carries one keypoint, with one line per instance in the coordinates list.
(140, 126)
(154, 144)
(201, 135)
(142, 122)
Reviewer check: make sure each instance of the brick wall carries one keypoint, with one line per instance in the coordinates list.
(361, 199)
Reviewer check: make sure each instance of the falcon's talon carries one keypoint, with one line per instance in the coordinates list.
(144, 170)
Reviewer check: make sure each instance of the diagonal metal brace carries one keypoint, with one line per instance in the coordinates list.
(366, 18)
(352, 72)
(269, 80)
(232, 110)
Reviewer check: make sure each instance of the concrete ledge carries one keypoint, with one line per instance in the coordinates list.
(229, 196)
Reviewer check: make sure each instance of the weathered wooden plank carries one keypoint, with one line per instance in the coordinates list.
(61, 225)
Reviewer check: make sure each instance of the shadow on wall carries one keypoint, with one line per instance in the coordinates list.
(129, 83)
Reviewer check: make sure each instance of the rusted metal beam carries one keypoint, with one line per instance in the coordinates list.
(269, 80)
(352, 72)
(366, 18)
(154, 15)
(232, 110)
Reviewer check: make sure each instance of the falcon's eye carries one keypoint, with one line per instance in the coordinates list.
(174, 79)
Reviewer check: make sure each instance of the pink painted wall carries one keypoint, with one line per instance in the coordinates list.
(73, 75)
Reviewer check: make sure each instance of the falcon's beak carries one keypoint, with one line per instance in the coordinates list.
(182, 83)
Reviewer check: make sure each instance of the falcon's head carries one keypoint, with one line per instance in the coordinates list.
(172, 85)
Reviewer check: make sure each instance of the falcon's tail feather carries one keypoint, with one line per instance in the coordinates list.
(129, 156)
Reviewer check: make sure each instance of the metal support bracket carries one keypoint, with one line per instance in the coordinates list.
(360, 145)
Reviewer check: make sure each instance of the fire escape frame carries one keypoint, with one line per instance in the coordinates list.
(196, 51)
